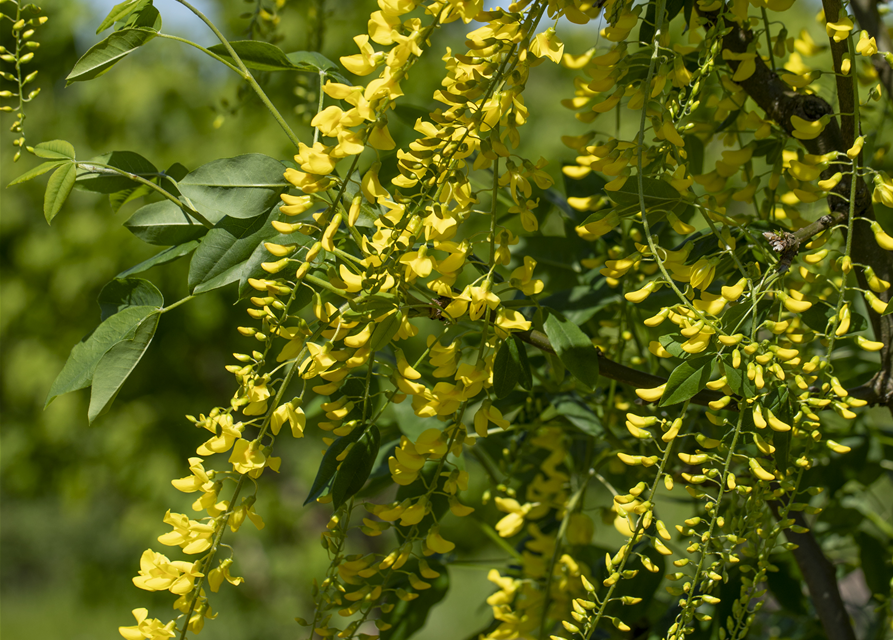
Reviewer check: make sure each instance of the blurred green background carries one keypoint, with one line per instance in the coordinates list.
(80, 503)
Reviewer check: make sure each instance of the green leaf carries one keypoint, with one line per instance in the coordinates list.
(737, 379)
(164, 223)
(889, 308)
(39, 170)
(314, 62)
(647, 29)
(59, 186)
(573, 347)
(256, 54)
(580, 304)
(115, 366)
(311, 61)
(781, 440)
(241, 187)
(877, 570)
(572, 408)
(146, 17)
(162, 257)
(120, 198)
(121, 11)
(686, 380)
(231, 275)
(657, 194)
(121, 293)
(357, 466)
(102, 180)
(55, 150)
(673, 344)
(85, 356)
(102, 56)
(506, 368)
(329, 464)
(232, 241)
(694, 149)
(407, 618)
(385, 331)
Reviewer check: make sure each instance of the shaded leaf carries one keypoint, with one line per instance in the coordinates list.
(572, 408)
(231, 275)
(330, 464)
(737, 379)
(256, 54)
(357, 466)
(232, 241)
(59, 186)
(102, 180)
(242, 187)
(877, 570)
(121, 293)
(385, 331)
(686, 380)
(253, 269)
(573, 348)
(408, 617)
(580, 304)
(103, 55)
(506, 368)
(315, 62)
(162, 257)
(120, 198)
(164, 223)
(78, 370)
(115, 366)
(526, 377)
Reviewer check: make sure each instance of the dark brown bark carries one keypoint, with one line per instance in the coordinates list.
(780, 102)
(821, 581)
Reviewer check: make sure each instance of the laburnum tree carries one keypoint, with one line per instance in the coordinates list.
(693, 319)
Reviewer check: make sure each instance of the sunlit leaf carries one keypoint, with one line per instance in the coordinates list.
(102, 56)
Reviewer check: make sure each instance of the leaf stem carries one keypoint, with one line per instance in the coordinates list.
(246, 74)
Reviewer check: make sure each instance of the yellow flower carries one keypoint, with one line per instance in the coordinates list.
(149, 629)
(547, 45)
(702, 273)
(221, 573)
(866, 45)
(157, 573)
(436, 543)
(418, 263)
(364, 62)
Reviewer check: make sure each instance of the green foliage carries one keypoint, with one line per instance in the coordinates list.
(414, 314)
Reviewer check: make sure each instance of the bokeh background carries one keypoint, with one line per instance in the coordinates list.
(81, 502)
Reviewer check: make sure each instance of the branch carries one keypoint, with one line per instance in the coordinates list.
(780, 102)
(616, 371)
(869, 19)
(820, 578)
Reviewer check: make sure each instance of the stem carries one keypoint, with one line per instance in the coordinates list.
(138, 178)
(322, 77)
(768, 38)
(208, 52)
(639, 524)
(246, 74)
